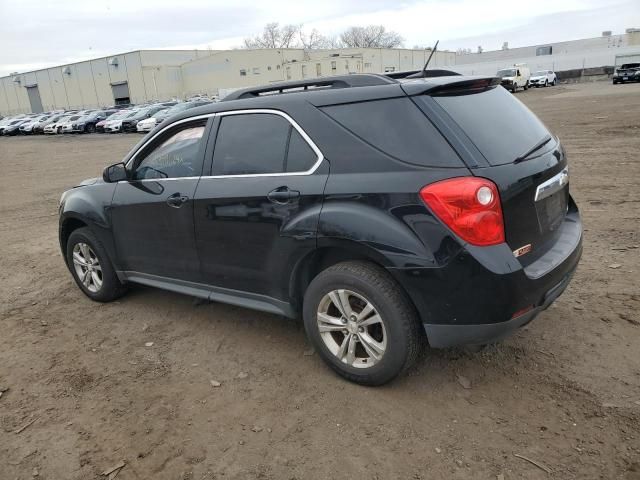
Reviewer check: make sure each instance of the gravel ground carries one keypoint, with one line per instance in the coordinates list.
(563, 392)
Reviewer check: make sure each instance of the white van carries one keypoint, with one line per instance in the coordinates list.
(515, 77)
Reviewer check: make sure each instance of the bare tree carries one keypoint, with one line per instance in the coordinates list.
(372, 36)
(293, 36)
(274, 36)
(313, 40)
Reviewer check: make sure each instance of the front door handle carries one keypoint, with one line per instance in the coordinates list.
(177, 200)
(282, 195)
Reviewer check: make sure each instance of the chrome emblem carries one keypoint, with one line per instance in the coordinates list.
(518, 252)
(552, 185)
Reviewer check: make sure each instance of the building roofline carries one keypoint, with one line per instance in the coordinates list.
(62, 65)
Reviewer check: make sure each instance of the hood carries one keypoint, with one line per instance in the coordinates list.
(90, 181)
(538, 77)
(507, 78)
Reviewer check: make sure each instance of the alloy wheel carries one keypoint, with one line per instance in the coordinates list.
(351, 328)
(87, 267)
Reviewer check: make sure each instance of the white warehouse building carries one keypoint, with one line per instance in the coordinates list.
(559, 56)
(148, 75)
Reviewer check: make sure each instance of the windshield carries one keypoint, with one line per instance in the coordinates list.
(539, 74)
(630, 65)
(121, 115)
(177, 108)
(508, 72)
(496, 122)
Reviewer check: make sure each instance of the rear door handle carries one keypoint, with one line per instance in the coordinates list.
(282, 195)
(177, 200)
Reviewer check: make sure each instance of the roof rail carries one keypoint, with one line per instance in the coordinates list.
(341, 81)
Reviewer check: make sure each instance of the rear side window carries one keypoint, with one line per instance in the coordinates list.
(252, 144)
(300, 156)
(397, 128)
(497, 123)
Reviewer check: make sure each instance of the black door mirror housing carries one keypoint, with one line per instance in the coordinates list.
(115, 173)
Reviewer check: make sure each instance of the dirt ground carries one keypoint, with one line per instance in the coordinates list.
(563, 392)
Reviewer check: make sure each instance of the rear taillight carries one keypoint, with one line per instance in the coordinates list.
(470, 206)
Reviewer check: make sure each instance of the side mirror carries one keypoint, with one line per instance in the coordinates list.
(115, 173)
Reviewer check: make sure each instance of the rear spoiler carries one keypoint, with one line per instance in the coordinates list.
(450, 86)
(422, 74)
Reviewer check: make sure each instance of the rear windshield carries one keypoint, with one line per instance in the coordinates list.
(496, 122)
(397, 128)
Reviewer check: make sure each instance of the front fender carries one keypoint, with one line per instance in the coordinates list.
(89, 205)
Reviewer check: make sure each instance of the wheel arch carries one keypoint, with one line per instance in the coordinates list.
(68, 224)
(308, 267)
(72, 221)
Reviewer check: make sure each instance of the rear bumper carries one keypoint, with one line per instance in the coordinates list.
(442, 336)
(476, 297)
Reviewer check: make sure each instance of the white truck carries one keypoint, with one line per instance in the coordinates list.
(515, 77)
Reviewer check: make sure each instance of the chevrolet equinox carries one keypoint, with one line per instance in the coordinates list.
(383, 211)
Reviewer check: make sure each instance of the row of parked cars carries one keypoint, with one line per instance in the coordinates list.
(140, 118)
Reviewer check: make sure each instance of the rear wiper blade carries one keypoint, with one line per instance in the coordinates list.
(536, 147)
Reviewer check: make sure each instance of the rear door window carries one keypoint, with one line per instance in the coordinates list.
(496, 122)
(397, 128)
(300, 156)
(260, 143)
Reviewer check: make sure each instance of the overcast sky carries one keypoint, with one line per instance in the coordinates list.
(36, 34)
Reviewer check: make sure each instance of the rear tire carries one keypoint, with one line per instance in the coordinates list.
(373, 335)
(91, 268)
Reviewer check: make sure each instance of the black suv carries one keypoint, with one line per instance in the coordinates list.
(628, 72)
(379, 209)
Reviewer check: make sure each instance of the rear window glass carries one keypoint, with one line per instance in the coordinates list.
(496, 122)
(300, 156)
(398, 128)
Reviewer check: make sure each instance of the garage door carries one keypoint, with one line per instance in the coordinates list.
(120, 92)
(34, 99)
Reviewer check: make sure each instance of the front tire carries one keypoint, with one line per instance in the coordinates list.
(91, 128)
(361, 323)
(91, 268)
